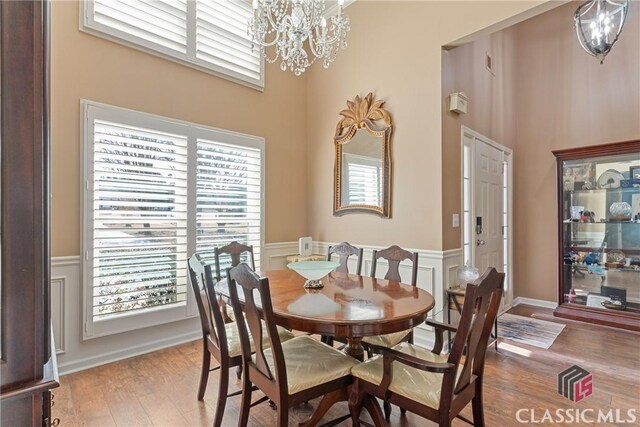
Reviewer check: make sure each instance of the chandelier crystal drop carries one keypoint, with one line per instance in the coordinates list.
(598, 25)
(299, 31)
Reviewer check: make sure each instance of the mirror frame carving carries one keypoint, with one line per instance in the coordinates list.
(364, 113)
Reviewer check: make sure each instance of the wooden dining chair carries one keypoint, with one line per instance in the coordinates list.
(344, 250)
(215, 341)
(220, 340)
(235, 252)
(394, 255)
(429, 384)
(290, 372)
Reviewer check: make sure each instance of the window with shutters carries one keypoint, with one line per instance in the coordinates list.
(210, 35)
(157, 190)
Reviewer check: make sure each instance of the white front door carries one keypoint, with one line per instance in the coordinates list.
(487, 207)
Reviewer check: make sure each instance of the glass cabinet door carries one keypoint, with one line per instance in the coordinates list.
(600, 232)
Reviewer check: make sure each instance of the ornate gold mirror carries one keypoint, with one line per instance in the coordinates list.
(362, 175)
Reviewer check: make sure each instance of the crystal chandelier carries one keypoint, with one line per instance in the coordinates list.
(299, 31)
(598, 24)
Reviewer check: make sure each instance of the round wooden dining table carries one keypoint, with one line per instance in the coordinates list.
(348, 306)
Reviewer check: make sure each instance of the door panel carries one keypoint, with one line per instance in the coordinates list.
(488, 206)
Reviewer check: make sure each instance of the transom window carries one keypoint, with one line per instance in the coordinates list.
(157, 190)
(209, 35)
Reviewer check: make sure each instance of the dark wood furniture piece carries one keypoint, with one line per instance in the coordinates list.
(340, 309)
(28, 368)
(455, 301)
(348, 307)
(220, 340)
(235, 251)
(215, 342)
(431, 385)
(288, 373)
(344, 250)
(394, 255)
(586, 281)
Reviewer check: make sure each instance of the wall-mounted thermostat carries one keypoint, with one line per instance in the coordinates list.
(458, 102)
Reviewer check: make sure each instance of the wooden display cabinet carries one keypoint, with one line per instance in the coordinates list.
(599, 234)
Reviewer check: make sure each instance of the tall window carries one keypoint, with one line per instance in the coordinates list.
(157, 190)
(210, 35)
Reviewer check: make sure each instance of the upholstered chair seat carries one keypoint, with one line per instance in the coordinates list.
(387, 340)
(233, 338)
(310, 363)
(415, 384)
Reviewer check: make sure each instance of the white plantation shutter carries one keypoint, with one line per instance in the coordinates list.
(365, 184)
(221, 37)
(228, 206)
(157, 190)
(139, 219)
(207, 34)
(157, 22)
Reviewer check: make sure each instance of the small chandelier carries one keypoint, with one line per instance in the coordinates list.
(598, 24)
(288, 24)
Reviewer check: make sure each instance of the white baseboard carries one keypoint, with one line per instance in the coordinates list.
(535, 302)
(125, 353)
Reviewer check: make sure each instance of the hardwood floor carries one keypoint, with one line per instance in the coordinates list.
(160, 388)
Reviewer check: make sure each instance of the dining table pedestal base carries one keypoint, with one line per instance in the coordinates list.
(328, 400)
(354, 348)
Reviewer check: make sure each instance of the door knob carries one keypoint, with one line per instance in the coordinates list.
(479, 242)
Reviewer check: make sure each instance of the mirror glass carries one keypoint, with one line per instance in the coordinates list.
(362, 170)
(362, 173)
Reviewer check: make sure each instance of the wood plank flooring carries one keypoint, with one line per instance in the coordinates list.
(159, 389)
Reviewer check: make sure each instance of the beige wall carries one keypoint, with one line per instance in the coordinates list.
(565, 99)
(491, 111)
(394, 51)
(85, 66)
(552, 96)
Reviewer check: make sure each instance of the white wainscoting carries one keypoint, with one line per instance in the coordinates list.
(275, 255)
(436, 269)
(74, 354)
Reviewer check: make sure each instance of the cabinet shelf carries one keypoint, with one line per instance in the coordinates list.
(565, 222)
(630, 190)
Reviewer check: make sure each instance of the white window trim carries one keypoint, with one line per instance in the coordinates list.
(89, 111)
(89, 26)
